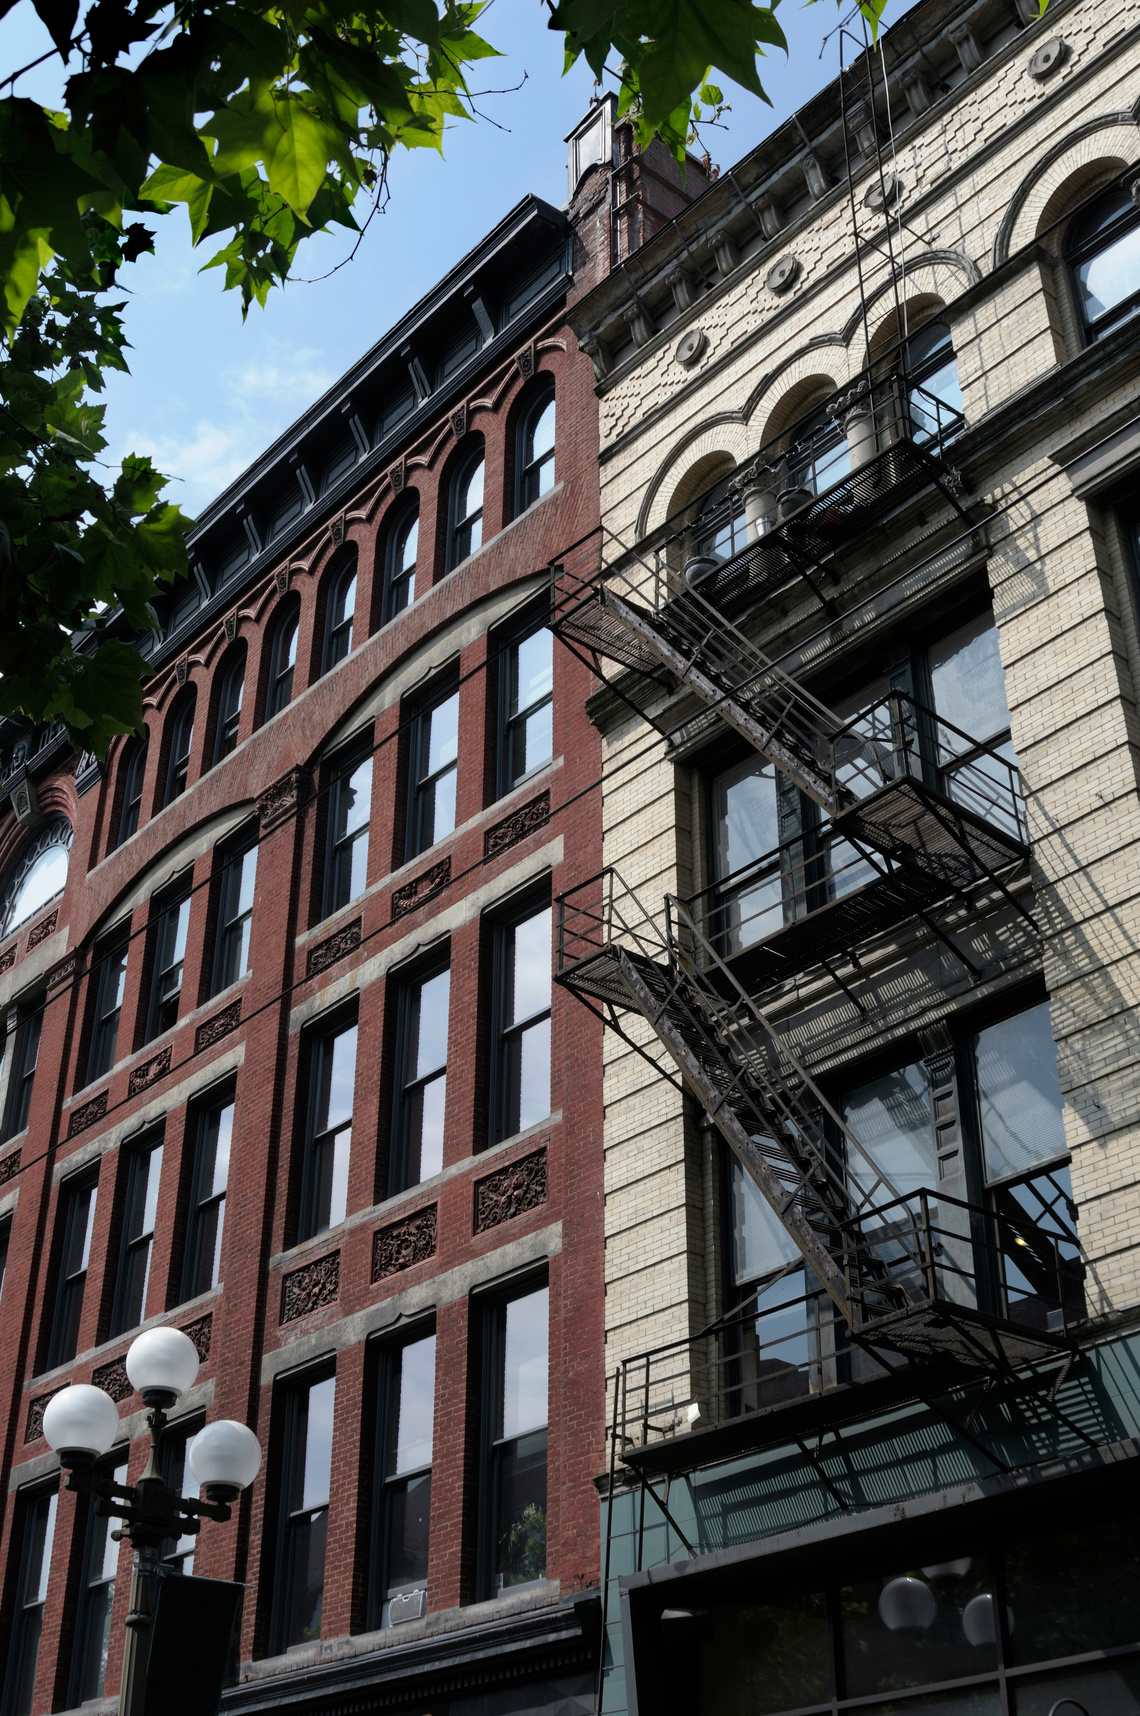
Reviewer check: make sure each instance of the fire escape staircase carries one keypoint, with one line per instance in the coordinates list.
(898, 1268)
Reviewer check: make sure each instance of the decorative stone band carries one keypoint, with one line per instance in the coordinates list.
(327, 953)
(150, 1071)
(404, 1243)
(519, 1187)
(35, 1424)
(412, 894)
(311, 1287)
(283, 797)
(43, 929)
(213, 1030)
(88, 1114)
(62, 970)
(521, 822)
(9, 1166)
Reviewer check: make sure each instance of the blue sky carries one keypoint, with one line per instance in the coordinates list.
(206, 392)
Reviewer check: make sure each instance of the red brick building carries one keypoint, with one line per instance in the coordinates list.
(283, 1065)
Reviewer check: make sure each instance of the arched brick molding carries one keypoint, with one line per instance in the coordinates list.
(677, 479)
(1069, 158)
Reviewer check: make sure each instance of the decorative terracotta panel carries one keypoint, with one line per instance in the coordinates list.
(521, 822)
(9, 1166)
(412, 894)
(404, 1243)
(43, 929)
(200, 1332)
(283, 796)
(150, 1071)
(310, 1288)
(213, 1030)
(519, 1187)
(113, 1379)
(87, 1114)
(7, 959)
(327, 953)
(35, 1425)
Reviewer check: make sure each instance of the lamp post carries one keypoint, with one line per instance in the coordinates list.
(81, 1423)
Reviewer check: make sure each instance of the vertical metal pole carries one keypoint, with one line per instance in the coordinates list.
(140, 1620)
(609, 1543)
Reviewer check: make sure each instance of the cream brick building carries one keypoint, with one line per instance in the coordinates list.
(871, 488)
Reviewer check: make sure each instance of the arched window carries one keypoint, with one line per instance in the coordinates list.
(403, 550)
(134, 771)
(1102, 249)
(37, 876)
(339, 615)
(935, 397)
(181, 741)
(467, 507)
(229, 707)
(282, 658)
(818, 455)
(719, 529)
(536, 448)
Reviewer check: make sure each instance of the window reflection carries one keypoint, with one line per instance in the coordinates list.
(1102, 249)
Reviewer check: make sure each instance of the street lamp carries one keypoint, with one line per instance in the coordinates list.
(81, 1423)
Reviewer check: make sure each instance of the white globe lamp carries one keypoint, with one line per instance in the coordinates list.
(162, 1364)
(225, 1458)
(906, 1605)
(80, 1423)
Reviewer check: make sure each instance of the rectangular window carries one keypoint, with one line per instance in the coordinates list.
(25, 1054)
(522, 1012)
(96, 1597)
(5, 1239)
(38, 1535)
(346, 846)
(109, 983)
(434, 763)
(406, 1414)
(209, 1177)
(527, 708)
(305, 1481)
(235, 915)
(142, 1169)
(514, 1517)
(422, 1052)
(332, 1075)
(168, 958)
(178, 1552)
(77, 1222)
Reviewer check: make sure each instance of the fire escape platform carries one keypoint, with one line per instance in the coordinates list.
(917, 825)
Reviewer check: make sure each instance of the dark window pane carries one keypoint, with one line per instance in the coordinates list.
(77, 1215)
(764, 1657)
(919, 1626)
(520, 1512)
(436, 750)
(1099, 1689)
(235, 917)
(166, 974)
(110, 983)
(132, 792)
(181, 743)
(306, 1497)
(424, 1028)
(282, 664)
(467, 531)
(97, 1594)
(25, 1058)
(1074, 1590)
(144, 1169)
(1019, 1093)
(529, 734)
(402, 554)
(338, 626)
(330, 1142)
(35, 1570)
(349, 814)
(525, 1010)
(208, 1199)
(409, 1518)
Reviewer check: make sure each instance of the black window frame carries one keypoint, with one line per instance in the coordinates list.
(177, 1553)
(509, 719)
(1076, 254)
(205, 1207)
(72, 1223)
(460, 529)
(289, 1446)
(336, 644)
(231, 924)
(180, 746)
(399, 581)
(420, 784)
(494, 1446)
(35, 1511)
(505, 1086)
(282, 671)
(318, 1139)
(162, 995)
(388, 1354)
(228, 718)
(5, 1248)
(108, 986)
(133, 772)
(139, 1160)
(336, 885)
(25, 1059)
(96, 1534)
(409, 1085)
(529, 468)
